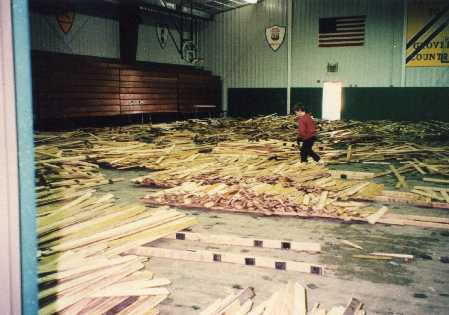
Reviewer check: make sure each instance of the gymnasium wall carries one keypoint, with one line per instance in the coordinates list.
(373, 75)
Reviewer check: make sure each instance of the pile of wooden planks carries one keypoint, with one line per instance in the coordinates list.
(60, 176)
(247, 153)
(262, 198)
(83, 282)
(80, 267)
(290, 299)
(339, 141)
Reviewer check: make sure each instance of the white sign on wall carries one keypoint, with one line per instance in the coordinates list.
(275, 36)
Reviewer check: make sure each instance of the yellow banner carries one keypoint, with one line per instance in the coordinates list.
(427, 33)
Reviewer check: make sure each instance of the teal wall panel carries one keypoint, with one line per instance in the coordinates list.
(250, 102)
(412, 104)
(310, 98)
(397, 104)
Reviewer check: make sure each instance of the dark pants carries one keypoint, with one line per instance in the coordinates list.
(306, 150)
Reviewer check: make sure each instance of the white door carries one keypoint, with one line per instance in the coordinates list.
(332, 95)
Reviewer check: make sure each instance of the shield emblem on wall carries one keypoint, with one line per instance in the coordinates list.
(275, 36)
(162, 35)
(65, 20)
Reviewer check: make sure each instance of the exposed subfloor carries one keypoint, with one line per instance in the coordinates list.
(386, 287)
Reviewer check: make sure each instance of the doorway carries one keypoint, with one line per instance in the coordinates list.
(332, 100)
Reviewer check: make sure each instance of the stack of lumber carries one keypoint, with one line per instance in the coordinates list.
(289, 300)
(80, 267)
(128, 155)
(62, 177)
(371, 152)
(383, 131)
(227, 168)
(92, 219)
(87, 283)
(263, 198)
(241, 167)
(249, 153)
(339, 141)
(434, 193)
(242, 181)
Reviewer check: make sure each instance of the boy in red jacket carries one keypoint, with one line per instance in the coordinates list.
(306, 134)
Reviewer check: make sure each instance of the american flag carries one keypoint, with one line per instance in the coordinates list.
(342, 31)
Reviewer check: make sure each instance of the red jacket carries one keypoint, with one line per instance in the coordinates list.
(306, 127)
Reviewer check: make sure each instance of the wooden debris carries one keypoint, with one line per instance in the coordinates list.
(351, 244)
(372, 257)
(400, 178)
(436, 180)
(405, 257)
(79, 266)
(353, 307)
(372, 219)
(290, 299)
(237, 302)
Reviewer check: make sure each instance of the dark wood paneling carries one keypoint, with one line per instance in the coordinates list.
(78, 86)
(198, 89)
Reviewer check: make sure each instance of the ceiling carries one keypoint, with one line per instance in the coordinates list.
(204, 9)
(213, 7)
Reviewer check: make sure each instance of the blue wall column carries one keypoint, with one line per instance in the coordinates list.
(22, 72)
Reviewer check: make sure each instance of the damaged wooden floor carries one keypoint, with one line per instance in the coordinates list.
(386, 287)
(396, 266)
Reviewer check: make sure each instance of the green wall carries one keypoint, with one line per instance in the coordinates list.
(249, 102)
(310, 98)
(411, 103)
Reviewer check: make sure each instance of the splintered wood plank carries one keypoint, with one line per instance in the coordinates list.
(107, 304)
(147, 236)
(353, 307)
(318, 310)
(143, 304)
(400, 178)
(84, 290)
(299, 299)
(405, 257)
(230, 305)
(322, 200)
(83, 275)
(244, 241)
(240, 298)
(351, 175)
(445, 195)
(372, 219)
(220, 257)
(336, 310)
(349, 153)
(212, 308)
(127, 284)
(245, 308)
(120, 231)
(351, 244)
(130, 292)
(436, 180)
(372, 257)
